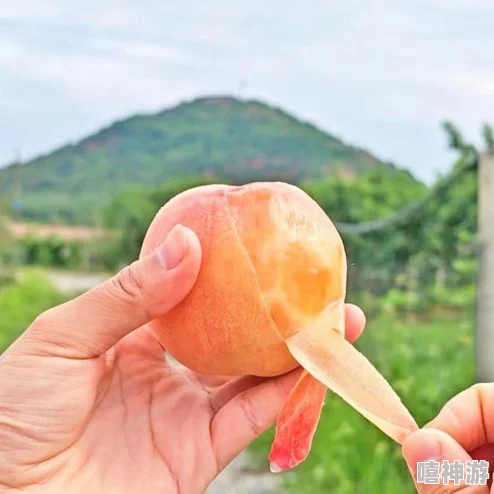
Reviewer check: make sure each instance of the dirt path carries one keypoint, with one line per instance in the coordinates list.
(240, 477)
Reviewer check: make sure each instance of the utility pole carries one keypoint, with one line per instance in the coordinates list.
(485, 288)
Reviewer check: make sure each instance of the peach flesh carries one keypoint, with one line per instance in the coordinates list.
(269, 294)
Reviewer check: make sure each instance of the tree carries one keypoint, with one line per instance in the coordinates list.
(488, 134)
(455, 138)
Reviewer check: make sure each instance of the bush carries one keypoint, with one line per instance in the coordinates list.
(21, 302)
(406, 301)
(51, 251)
(429, 299)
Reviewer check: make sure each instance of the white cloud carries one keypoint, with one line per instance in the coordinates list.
(10, 50)
(478, 85)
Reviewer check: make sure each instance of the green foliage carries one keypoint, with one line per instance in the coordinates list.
(51, 251)
(446, 235)
(455, 138)
(429, 299)
(4, 218)
(427, 363)
(214, 138)
(7, 277)
(488, 134)
(21, 302)
(374, 194)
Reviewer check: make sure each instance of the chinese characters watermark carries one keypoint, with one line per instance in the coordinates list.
(473, 472)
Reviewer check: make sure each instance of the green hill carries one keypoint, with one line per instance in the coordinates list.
(217, 137)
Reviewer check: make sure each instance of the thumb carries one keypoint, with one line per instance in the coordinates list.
(91, 324)
(438, 464)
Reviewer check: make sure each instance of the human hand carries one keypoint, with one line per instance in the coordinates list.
(463, 431)
(88, 402)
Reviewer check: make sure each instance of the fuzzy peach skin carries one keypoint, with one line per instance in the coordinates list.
(271, 288)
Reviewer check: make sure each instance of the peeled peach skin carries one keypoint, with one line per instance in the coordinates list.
(270, 298)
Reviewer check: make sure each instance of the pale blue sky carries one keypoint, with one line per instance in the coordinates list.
(378, 74)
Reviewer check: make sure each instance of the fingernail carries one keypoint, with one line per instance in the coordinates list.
(421, 446)
(174, 248)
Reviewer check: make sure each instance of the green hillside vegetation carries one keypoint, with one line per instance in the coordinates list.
(215, 138)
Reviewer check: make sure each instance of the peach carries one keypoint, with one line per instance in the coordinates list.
(269, 298)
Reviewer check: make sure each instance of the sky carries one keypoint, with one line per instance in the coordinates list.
(378, 74)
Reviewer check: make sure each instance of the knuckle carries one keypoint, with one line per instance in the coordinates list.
(43, 321)
(481, 388)
(475, 394)
(128, 284)
(43, 336)
(251, 414)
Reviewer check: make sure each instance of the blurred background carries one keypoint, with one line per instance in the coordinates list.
(379, 110)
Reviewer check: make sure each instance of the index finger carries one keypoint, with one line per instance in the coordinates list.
(467, 417)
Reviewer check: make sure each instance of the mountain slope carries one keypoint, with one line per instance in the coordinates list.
(219, 138)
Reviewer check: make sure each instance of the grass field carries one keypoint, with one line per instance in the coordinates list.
(427, 362)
